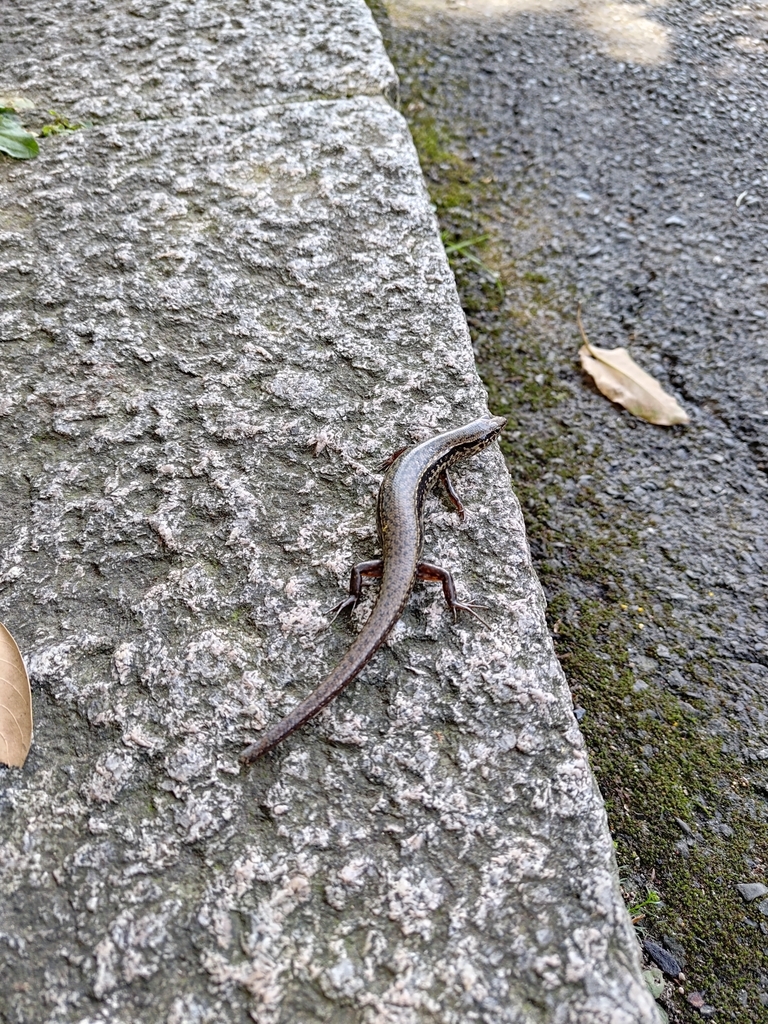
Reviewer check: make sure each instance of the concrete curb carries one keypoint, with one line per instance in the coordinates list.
(215, 328)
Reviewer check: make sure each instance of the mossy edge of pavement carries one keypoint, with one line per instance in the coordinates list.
(650, 803)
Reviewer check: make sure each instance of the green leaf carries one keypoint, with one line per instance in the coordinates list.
(14, 140)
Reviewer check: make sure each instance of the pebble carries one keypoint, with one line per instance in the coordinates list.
(752, 890)
(664, 959)
(644, 664)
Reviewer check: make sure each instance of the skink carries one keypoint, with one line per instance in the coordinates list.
(411, 474)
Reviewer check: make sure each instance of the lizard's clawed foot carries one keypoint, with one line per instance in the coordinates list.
(457, 607)
(348, 602)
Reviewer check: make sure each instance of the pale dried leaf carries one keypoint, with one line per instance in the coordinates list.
(619, 378)
(15, 704)
(12, 102)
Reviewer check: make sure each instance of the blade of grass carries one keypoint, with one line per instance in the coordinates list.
(465, 243)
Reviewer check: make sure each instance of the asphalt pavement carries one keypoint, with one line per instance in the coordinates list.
(616, 155)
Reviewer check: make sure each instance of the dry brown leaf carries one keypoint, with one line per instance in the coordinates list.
(619, 378)
(15, 703)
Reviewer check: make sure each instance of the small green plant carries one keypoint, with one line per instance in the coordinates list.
(463, 247)
(651, 902)
(60, 125)
(19, 142)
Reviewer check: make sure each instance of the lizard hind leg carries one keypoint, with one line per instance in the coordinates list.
(436, 574)
(372, 568)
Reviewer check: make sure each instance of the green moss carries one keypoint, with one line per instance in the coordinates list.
(428, 141)
(450, 176)
(660, 771)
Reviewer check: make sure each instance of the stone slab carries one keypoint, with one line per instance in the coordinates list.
(115, 60)
(213, 333)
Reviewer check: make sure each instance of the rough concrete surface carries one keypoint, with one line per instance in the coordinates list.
(213, 331)
(149, 59)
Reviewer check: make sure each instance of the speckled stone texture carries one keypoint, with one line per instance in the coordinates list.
(149, 59)
(214, 331)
